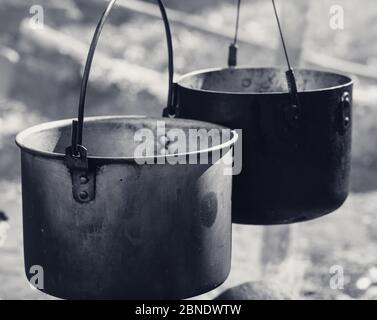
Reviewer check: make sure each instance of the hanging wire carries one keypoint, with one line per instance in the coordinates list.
(232, 59)
(294, 114)
(292, 85)
(78, 125)
(281, 35)
(170, 104)
(237, 22)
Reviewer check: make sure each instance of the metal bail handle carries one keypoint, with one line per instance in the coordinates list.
(83, 175)
(345, 117)
(293, 114)
(77, 127)
(83, 179)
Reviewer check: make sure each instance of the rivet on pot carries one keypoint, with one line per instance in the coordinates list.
(84, 179)
(83, 195)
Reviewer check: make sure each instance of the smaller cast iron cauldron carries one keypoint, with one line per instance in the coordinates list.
(296, 159)
(105, 224)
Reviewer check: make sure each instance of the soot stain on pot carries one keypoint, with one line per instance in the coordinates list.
(208, 209)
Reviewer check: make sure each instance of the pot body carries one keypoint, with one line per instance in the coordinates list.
(153, 231)
(291, 172)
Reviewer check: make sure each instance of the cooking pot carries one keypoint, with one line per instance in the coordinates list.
(296, 129)
(295, 160)
(107, 222)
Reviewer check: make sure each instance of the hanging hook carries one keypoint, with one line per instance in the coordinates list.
(281, 35)
(232, 58)
(294, 113)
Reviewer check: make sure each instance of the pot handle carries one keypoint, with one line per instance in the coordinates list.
(294, 112)
(76, 149)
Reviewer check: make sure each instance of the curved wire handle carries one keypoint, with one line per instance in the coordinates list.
(77, 125)
(290, 75)
(232, 58)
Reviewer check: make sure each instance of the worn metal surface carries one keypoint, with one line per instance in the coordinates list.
(290, 173)
(152, 231)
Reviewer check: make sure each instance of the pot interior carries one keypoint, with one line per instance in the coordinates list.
(128, 137)
(261, 80)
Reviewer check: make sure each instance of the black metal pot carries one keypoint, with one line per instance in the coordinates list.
(296, 159)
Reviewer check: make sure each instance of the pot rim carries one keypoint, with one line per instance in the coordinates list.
(20, 139)
(349, 81)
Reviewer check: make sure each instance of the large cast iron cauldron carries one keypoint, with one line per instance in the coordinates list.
(296, 161)
(104, 226)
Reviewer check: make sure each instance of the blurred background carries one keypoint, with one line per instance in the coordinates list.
(41, 63)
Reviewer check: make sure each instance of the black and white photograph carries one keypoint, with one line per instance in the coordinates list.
(212, 152)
